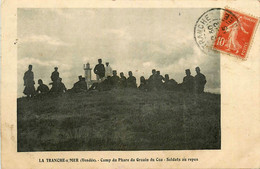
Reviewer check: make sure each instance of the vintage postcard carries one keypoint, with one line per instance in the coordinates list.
(130, 84)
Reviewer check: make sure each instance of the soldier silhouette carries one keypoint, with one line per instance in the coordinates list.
(115, 79)
(80, 85)
(199, 81)
(131, 80)
(122, 80)
(152, 80)
(99, 70)
(55, 75)
(28, 78)
(188, 82)
(42, 88)
(169, 84)
(158, 80)
(143, 84)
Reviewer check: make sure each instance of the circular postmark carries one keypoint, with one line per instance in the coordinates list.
(207, 26)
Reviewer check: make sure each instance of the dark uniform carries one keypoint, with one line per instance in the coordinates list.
(188, 83)
(115, 80)
(55, 76)
(42, 89)
(28, 78)
(100, 70)
(131, 82)
(143, 84)
(200, 81)
(122, 81)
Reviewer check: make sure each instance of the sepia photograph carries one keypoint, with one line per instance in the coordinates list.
(117, 79)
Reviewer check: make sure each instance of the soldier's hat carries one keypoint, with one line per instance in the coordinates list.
(197, 68)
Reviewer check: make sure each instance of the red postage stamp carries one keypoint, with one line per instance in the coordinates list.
(235, 33)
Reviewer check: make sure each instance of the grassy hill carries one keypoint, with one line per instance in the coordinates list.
(119, 120)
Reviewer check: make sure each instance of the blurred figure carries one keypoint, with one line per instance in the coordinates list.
(99, 70)
(131, 80)
(58, 88)
(169, 84)
(115, 79)
(42, 88)
(188, 82)
(122, 80)
(108, 70)
(28, 79)
(158, 80)
(143, 84)
(80, 85)
(152, 80)
(55, 75)
(199, 81)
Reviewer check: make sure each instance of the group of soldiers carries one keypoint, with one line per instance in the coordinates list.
(29, 90)
(108, 79)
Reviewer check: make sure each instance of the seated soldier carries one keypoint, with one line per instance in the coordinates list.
(42, 88)
(60, 86)
(143, 84)
(80, 85)
(159, 80)
(122, 81)
(131, 80)
(169, 84)
(103, 86)
(115, 79)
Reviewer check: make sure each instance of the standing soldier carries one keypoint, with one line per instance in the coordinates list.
(55, 75)
(28, 79)
(99, 70)
(108, 70)
(151, 80)
(188, 82)
(131, 80)
(200, 81)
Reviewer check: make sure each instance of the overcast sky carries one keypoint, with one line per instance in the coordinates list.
(130, 39)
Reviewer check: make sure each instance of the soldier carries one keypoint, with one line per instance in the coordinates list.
(60, 86)
(158, 80)
(80, 85)
(151, 80)
(99, 70)
(42, 88)
(122, 80)
(169, 84)
(143, 84)
(55, 75)
(200, 81)
(188, 82)
(115, 79)
(131, 80)
(108, 70)
(28, 79)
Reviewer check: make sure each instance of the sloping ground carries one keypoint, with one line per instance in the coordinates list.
(119, 120)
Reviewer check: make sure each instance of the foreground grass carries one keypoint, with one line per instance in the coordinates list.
(119, 120)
